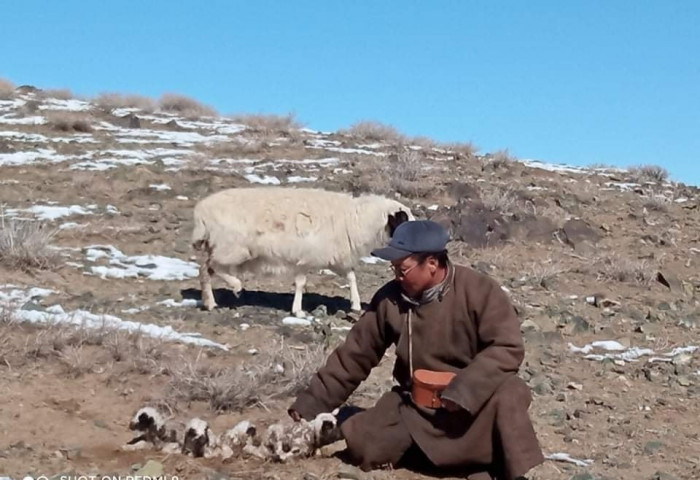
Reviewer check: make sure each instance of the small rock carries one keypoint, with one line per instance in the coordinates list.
(529, 325)
(32, 307)
(583, 476)
(100, 424)
(320, 312)
(136, 467)
(650, 448)
(72, 453)
(310, 476)
(151, 469)
(350, 474)
(218, 476)
(663, 476)
(683, 381)
(574, 386)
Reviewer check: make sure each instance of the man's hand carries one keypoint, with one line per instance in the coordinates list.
(450, 406)
(295, 415)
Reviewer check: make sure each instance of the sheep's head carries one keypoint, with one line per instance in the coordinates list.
(197, 436)
(241, 434)
(325, 429)
(395, 219)
(148, 420)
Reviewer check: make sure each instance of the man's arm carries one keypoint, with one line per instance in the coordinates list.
(500, 344)
(346, 367)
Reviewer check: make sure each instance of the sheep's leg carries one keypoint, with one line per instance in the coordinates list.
(205, 272)
(232, 282)
(299, 283)
(355, 305)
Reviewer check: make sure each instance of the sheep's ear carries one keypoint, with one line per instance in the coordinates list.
(395, 220)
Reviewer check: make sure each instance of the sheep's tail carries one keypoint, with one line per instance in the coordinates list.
(200, 234)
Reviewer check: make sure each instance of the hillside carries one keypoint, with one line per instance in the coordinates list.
(587, 255)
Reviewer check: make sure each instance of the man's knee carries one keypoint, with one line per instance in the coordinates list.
(513, 393)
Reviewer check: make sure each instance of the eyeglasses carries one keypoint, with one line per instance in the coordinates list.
(399, 273)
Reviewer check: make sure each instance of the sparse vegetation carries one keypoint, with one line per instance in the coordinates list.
(279, 371)
(59, 94)
(110, 101)
(649, 173)
(371, 131)
(500, 199)
(501, 158)
(270, 124)
(186, 106)
(7, 89)
(619, 268)
(69, 122)
(25, 244)
(657, 203)
(467, 149)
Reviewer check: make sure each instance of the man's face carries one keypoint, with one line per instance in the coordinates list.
(413, 275)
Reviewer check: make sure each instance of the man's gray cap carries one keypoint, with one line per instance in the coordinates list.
(417, 236)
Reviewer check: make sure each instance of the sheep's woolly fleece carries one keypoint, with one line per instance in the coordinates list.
(280, 442)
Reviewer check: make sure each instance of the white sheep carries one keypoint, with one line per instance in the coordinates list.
(279, 230)
(201, 441)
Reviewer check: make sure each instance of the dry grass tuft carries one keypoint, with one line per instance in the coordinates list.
(374, 132)
(186, 106)
(278, 372)
(7, 89)
(467, 149)
(649, 173)
(501, 158)
(270, 124)
(25, 244)
(110, 101)
(616, 267)
(59, 94)
(657, 203)
(541, 274)
(501, 199)
(69, 122)
(402, 173)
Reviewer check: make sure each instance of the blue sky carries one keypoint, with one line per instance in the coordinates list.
(575, 82)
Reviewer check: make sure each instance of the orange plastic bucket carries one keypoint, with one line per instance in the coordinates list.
(427, 385)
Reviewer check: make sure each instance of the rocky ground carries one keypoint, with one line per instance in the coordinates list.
(602, 265)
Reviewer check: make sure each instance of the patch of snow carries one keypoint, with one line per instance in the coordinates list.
(265, 180)
(244, 326)
(181, 197)
(622, 186)
(609, 345)
(681, 200)
(550, 167)
(49, 212)
(35, 156)
(565, 457)
(321, 143)
(626, 354)
(71, 105)
(8, 120)
(160, 187)
(74, 264)
(188, 139)
(372, 145)
(433, 207)
(297, 179)
(188, 302)
(70, 225)
(152, 267)
(355, 150)
(24, 137)
(296, 321)
(136, 310)
(111, 209)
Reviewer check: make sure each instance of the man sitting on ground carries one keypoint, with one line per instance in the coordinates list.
(445, 320)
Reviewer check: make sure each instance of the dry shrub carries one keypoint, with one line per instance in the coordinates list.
(59, 94)
(278, 372)
(402, 173)
(186, 106)
(374, 132)
(501, 199)
(270, 124)
(649, 173)
(25, 244)
(542, 273)
(7, 89)
(616, 267)
(426, 143)
(501, 158)
(467, 149)
(110, 101)
(656, 203)
(69, 122)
